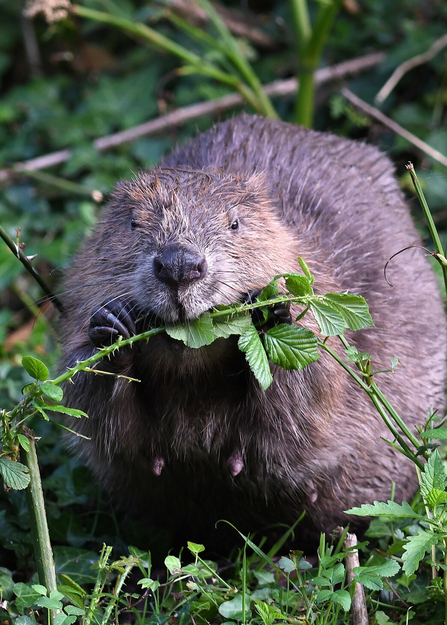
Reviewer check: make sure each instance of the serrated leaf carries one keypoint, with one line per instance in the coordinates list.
(389, 509)
(291, 347)
(268, 291)
(433, 475)
(194, 334)
(235, 324)
(299, 285)
(147, 582)
(250, 343)
(73, 412)
(15, 474)
(415, 549)
(35, 368)
(436, 498)
(328, 317)
(353, 308)
(370, 576)
(62, 619)
(343, 598)
(338, 573)
(52, 391)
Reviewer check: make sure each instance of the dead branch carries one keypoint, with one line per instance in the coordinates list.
(392, 125)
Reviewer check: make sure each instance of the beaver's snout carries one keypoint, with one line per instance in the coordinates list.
(179, 265)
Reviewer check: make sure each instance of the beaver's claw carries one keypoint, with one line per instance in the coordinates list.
(109, 321)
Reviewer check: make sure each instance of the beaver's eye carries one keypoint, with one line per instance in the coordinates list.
(235, 224)
(133, 224)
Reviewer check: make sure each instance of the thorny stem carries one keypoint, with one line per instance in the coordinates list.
(29, 267)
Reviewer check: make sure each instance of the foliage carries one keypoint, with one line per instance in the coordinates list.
(91, 80)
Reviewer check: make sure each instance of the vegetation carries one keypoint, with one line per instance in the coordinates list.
(107, 67)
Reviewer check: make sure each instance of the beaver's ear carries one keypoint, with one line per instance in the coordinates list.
(257, 190)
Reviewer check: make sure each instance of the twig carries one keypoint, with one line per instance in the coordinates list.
(358, 606)
(29, 267)
(408, 65)
(279, 88)
(389, 123)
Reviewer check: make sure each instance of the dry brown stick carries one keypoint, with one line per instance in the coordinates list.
(408, 65)
(389, 123)
(358, 605)
(278, 88)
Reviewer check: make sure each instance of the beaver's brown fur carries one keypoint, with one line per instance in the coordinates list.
(198, 440)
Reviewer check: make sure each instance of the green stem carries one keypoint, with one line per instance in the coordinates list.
(29, 267)
(39, 526)
(60, 183)
(235, 55)
(197, 64)
(376, 397)
(120, 583)
(310, 55)
(99, 584)
(431, 224)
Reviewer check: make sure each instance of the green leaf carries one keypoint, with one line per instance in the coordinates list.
(147, 582)
(40, 589)
(390, 509)
(50, 604)
(24, 441)
(291, 347)
(250, 343)
(305, 269)
(235, 324)
(353, 308)
(35, 368)
(25, 596)
(438, 433)
(286, 564)
(370, 576)
(415, 548)
(15, 474)
(194, 334)
(52, 391)
(76, 563)
(195, 548)
(343, 598)
(436, 498)
(299, 286)
(233, 609)
(173, 565)
(62, 619)
(433, 475)
(330, 321)
(338, 573)
(73, 412)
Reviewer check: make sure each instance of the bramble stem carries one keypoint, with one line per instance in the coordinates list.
(15, 249)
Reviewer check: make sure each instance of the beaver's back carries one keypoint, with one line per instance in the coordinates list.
(171, 444)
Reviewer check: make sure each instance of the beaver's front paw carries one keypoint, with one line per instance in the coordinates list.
(109, 321)
(276, 314)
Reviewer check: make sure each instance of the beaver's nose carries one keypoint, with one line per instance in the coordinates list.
(179, 265)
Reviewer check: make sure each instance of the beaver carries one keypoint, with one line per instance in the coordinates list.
(198, 439)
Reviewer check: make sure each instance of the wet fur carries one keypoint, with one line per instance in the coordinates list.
(171, 445)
